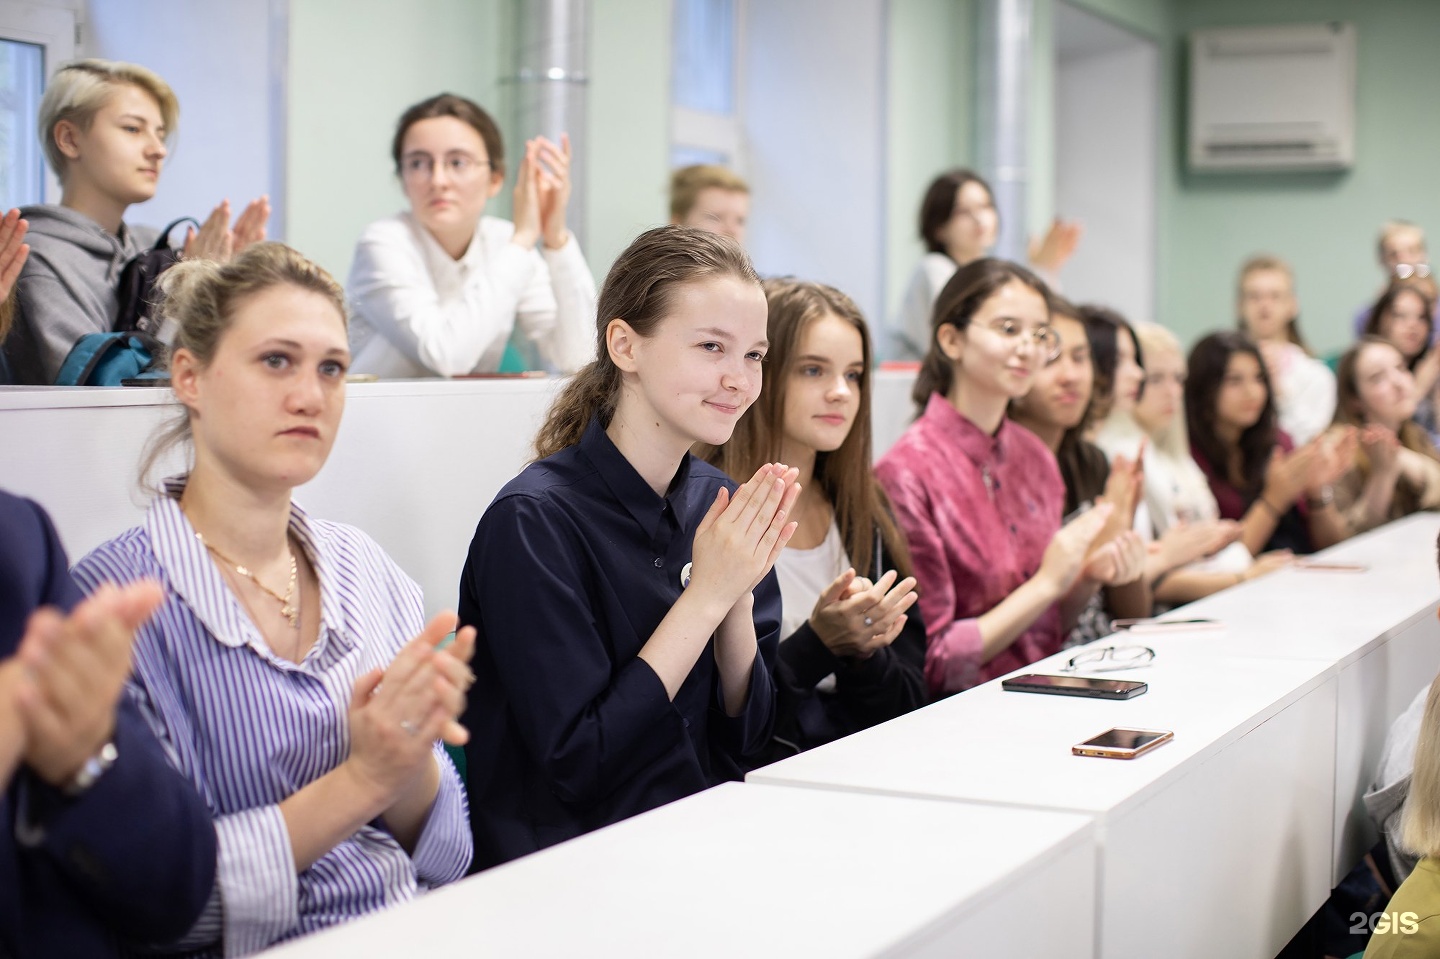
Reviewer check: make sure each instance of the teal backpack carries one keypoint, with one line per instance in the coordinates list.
(109, 359)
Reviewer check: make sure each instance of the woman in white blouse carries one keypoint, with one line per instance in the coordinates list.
(437, 290)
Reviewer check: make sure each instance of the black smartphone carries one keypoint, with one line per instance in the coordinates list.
(1075, 686)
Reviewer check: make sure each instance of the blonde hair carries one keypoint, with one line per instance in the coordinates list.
(80, 88)
(687, 182)
(1155, 339)
(201, 298)
(1420, 818)
(1394, 228)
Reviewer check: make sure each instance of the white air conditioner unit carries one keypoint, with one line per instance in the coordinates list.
(1273, 98)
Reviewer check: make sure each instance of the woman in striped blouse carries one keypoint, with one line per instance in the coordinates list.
(262, 671)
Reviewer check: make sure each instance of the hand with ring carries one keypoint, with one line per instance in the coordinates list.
(396, 715)
(854, 617)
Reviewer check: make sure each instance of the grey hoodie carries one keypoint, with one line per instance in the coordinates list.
(67, 288)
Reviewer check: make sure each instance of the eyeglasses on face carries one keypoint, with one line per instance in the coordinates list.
(1106, 659)
(1406, 271)
(1044, 338)
(459, 166)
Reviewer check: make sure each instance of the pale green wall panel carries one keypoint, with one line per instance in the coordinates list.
(355, 65)
(629, 133)
(1325, 224)
(930, 74)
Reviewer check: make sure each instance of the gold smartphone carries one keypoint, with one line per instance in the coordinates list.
(1122, 743)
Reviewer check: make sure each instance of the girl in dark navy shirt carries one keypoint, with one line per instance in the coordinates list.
(620, 587)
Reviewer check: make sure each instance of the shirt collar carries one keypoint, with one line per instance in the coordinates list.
(979, 446)
(474, 255)
(193, 575)
(626, 483)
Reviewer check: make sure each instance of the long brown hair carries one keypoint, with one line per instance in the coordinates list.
(844, 475)
(638, 290)
(1386, 303)
(959, 300)
(1349, 407)
(1205, 374)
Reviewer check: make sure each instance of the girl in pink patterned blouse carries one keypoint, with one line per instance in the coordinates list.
(980, 497)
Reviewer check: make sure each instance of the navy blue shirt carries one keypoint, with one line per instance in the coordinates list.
(572, 569)
(133, 856)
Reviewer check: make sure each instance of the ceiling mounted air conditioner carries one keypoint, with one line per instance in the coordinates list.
(1272, 98)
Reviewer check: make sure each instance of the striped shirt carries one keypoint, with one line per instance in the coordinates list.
(249, 728)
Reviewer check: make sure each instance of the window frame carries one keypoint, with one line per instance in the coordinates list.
(53, 29)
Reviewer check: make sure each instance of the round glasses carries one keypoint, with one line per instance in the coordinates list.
(1108, 659)
(459, 166)
(1044, 338)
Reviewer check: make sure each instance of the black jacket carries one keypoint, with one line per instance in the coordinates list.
(867, 692)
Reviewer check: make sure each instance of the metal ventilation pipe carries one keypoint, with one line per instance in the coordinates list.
(550, 80)
(1003, 62)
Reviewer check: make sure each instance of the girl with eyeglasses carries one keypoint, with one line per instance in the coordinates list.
(1396, 470)
(980, 498)
(439, 289)
(1282, 495)
(852, 649)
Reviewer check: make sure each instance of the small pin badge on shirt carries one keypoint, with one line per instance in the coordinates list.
(685, 576)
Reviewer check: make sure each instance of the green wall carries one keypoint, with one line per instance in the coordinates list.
(931, 71)
(355, 65)
(629, 117)
(1325, 224)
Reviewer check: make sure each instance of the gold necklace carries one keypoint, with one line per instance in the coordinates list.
(290, 611)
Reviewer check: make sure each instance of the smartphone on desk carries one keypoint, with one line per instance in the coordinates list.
(1087, 686)
(1122, 743)
(1155, 625)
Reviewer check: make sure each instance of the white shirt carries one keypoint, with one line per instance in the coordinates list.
(909, 337)
(418, 312)
(803, 575)
(1304, 393)
(249, 729)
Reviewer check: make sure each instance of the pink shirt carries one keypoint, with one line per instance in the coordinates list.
(979, 511)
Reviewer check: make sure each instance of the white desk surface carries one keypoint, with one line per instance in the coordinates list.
(1313, 614)
(988, 745)
(798, 873)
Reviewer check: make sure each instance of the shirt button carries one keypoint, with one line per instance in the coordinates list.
(659, 562)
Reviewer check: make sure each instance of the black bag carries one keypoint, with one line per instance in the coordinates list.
(136, 292)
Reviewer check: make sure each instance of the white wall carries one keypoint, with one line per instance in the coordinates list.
(814, 75)
(1106, 143)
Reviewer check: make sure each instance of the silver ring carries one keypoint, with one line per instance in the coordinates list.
(869, 621)
(410, 728)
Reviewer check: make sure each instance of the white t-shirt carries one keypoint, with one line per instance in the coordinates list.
(803, 576)
(418, 312)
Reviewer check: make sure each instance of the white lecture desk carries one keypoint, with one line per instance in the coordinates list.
(1225, 841)
(415, 464)
(759, 871)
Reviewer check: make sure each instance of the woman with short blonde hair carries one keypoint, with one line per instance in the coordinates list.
(106, 129)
